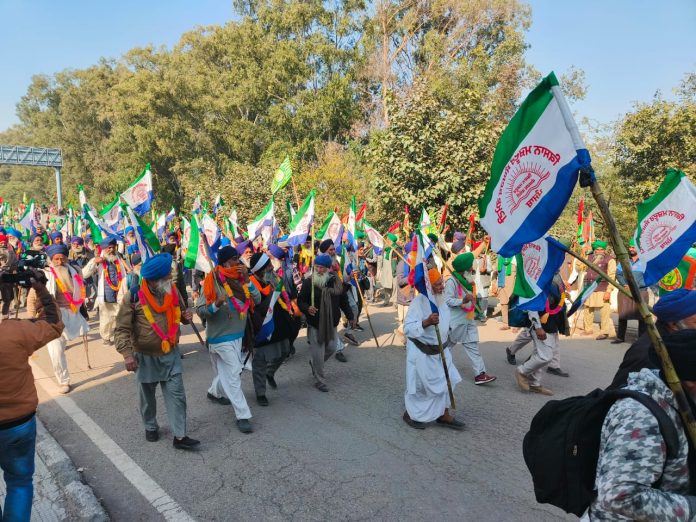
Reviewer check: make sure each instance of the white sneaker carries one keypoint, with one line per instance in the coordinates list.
(63, 388)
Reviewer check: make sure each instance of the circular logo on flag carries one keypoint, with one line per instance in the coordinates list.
(140, 193)
(672, 281)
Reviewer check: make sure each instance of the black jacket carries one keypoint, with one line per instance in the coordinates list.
(338, 302)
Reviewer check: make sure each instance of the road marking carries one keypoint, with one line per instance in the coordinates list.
(141, 481)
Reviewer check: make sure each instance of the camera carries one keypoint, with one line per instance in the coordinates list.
(23, 277)
(38, 260)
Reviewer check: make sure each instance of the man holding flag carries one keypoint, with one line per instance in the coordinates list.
(600, 297)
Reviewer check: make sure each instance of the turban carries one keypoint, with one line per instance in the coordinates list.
(3, 238)
(56, 235)
(226, 253)
(276, 251)
(459, 236)
(225, 241)
(136, 259)
(34, 236)
(107, 241)
(77, 240)
(599, 244)
(457, 246)
(88, 237)
(54, 250)
(325, 245)
(675, 306)
(632, 243)
(681, 346)
(157, 267)
(2, 230)
(243, 246)
(239, 239)
(434, 275)
(172, 234)
(258, 262)
(393, 237)
(463, 262)
(14, 232)
(130, 229)
(323, 260)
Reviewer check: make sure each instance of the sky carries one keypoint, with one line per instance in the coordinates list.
(629, 49)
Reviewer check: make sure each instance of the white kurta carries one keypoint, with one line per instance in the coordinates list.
(426, 394)
(74, 324)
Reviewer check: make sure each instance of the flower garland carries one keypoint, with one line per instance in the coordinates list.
(284, 300)
(241, 310)
(107, 277)
(561, 304)
(74, 303)
(460, 293)
(170, 306)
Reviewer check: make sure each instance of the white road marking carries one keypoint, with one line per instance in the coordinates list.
(141, 481)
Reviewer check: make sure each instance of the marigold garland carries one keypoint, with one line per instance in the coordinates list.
(107, 277)
(170, 306)
(74, 303)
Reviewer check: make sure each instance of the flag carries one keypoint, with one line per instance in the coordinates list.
(299, 227)
(352, 237)
(581, 220)
(537, 263)
(394, 229)
(27, 221)
(232, 225)
(81, 196)
(282, 176)
(443, 218)
(291, 211)
(97, 227)
(112, 214)
(534, 170)
(218, 204)
(170, 216)
(145, 238)
(262, 224)
(588, 229)
(161, 225)
(193, 243)
(418, 276)
(684, 276)
(376, 239)
(212, 233)
(196, 208)
(666, 225)
(470, 233)
(407, 222)
(139, 194)
(268, 326)
(584, 295)
(360, 216)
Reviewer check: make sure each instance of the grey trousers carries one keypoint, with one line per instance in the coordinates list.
(525, 337)
(319, 353)
(174, 400)
(266, 361)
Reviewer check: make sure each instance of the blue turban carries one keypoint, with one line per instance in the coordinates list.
(14, 232)
(225, 241)
(157, 267)
(136, 259)
(107, 241)
(2, 230)
(34, 236)
(130, 229)
(323, 260)
(243, 247)
(78, 240)
(276, 251)
(56, 235)
(88, 237)
(676, 305)
(54, 250)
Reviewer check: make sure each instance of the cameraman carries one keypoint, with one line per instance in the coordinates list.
(8, 265)
(18, 399)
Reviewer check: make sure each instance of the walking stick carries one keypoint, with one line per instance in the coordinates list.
(198, 334)
(444, 366)
(367, 311)
(85, 343)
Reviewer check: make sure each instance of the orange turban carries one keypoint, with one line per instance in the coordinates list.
(434, 275)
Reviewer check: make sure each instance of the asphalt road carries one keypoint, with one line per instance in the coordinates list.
(342, 455)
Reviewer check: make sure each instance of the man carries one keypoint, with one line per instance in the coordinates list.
(600, 298)
(131, 243)
(225, 302)
(505, 285)
(56, 238)
(37, 243)
(8, 265)
(460, 297)
(66, 286)
(405, 292)
(322, 306)
(627, 307)
(544, 332)
(427, 396)
(635, 479)
(110, 271)
(147, 336)
(18, 401)
(270, 349)
(172, 248)
(482, 279)
(79, 256)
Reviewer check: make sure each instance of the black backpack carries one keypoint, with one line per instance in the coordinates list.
(561, 448)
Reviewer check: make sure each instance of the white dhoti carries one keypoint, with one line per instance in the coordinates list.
(107, 320)
(74, 326)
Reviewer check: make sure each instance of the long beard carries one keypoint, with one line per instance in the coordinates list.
(64, 275)
(267, 277)
(109, 257)
(320, 280)
(161, 288)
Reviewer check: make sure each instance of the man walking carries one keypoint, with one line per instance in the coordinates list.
(600, 298)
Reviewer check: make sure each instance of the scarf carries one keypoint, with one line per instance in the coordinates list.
(232, 276)
(462, 281)
(170, 307)
(327, 332)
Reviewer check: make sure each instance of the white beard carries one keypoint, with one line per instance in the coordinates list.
(320, 280)
(109, 257)
(64, 275)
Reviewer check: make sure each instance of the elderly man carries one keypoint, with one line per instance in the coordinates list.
(8, 265)
(66, 285)
(56, 238)
(147, 336)
(110, 271)
(405, 292)
(426, 396)
(601, 296)
(272, 343)
(322, 301)
(225, 302)
(627, 307)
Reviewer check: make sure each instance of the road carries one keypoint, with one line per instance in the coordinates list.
(342, 455)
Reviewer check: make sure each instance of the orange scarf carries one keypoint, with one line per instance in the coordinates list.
(170, 307)
(265, 291)
(234, 273)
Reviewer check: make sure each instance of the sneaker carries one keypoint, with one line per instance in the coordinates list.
(350, 338)
(220, 400)
(359, 328)
(414, 424)
(151, 435)
(262, 400)
(186, 443)
(271, 382)
(244, 426)
(63, 389)
(522, 381)
(321, 387)
(539, 389)
(557, 371)
(484, 378)
(341, 357)
(511, 359)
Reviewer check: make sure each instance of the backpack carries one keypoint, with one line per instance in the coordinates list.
(517, 318)
(561, 448)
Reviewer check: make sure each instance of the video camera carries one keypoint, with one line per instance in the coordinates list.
(29, 267)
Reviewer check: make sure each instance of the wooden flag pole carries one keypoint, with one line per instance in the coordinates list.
(294, 190)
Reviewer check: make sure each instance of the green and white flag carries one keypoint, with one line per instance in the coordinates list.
(232, 225)
(300, 226)
(282, 176)
(112, 214)
(666, 226)
(331, 227)
(27, 221)
(193, 245)
(263, 224)
(97, 227)
(535, 168)
(146, 239)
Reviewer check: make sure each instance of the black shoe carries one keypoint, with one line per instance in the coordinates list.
(359, 328)
(414, 424)
(341, 357)
(186, 443)
(262, 400)
(151, 435)
(557, 371)
(244, 426)
(454, 424)
(351, 339)
(511, 359)
(617, 341)
(271, 382)
(220, 400)
(321, 387)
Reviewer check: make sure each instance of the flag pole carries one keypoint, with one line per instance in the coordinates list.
(367, 311)
(294, 190)
(312, 279)
(588, 179)
(444, 365)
